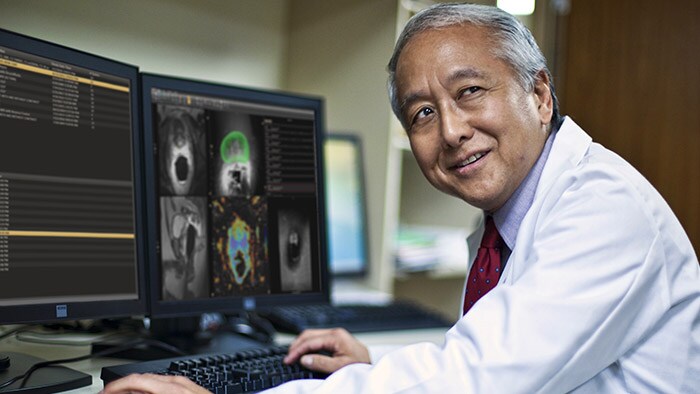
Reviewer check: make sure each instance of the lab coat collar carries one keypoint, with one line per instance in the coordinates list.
(568, 150)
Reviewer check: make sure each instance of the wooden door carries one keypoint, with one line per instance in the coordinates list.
(630, 76)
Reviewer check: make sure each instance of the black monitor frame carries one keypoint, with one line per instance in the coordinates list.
(159, 308)
(356, 142)
(49, 312)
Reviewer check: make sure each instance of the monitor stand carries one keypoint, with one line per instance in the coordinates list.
(46, 380)
(183, 333)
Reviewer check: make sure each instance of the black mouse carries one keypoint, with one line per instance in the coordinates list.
(252, 326)
(4, 361)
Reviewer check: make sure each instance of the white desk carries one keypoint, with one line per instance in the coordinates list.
(378, 341)
(55, 352)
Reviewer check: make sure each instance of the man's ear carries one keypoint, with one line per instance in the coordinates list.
(543, 97)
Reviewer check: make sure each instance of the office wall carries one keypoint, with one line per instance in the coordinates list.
(339, 49)
(241, 42)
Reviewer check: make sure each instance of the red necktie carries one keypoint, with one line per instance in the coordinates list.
(487, 266)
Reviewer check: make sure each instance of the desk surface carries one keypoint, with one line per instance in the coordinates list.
(376, 341)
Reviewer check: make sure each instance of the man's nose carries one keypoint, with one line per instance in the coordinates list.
(455, 127)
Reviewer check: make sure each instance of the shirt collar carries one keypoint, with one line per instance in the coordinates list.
(511, 214)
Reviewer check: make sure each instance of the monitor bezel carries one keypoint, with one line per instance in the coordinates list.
(47, 312)
(182, 308)
(356, 141)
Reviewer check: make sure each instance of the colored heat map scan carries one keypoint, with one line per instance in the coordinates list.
(239, 242)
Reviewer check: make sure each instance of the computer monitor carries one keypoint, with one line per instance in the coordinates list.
(234, 197)
(70, 185)
(348, 249)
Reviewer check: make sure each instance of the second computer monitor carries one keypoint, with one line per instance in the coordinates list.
(348, 241)
(235, 197)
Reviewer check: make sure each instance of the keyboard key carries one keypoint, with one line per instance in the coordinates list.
(234, 388)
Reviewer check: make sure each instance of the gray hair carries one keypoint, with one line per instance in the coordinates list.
(514, 45)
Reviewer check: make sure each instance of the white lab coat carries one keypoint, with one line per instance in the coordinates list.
(601, 294)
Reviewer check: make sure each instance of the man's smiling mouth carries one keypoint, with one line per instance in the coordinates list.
(471, 159)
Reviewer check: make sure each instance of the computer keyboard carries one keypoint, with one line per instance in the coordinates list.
(355, 318)
(246, 371)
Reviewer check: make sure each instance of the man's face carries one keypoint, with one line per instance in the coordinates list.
(474, 130)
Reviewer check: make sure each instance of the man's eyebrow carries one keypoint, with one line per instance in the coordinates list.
(410, 98)
(465, 73)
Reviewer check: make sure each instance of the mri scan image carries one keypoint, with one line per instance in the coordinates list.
(182, 150)
(295, 250)
(234, 177)
(185, 271)
(237, 155)
(239, 237)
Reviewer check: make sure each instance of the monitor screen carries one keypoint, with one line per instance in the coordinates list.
(235, 197)
(345, 205)
(70, 242)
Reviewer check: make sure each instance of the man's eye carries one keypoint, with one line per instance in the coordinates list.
(422, 113)
(469, 91)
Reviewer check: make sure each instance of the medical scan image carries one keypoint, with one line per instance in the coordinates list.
(239, 235)
(184, 262)
(182, 150)
(237, 155)
(295, 250)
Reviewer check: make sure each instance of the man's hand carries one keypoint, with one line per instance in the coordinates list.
(344, 348)
(148, 383)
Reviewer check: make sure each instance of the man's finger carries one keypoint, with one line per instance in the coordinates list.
(321, 363)
(309, 333)
(149, 383)
(308, 345)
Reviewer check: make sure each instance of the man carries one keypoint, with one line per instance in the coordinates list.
(598, 285)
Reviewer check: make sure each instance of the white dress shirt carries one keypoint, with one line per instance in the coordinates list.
(601, 294)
